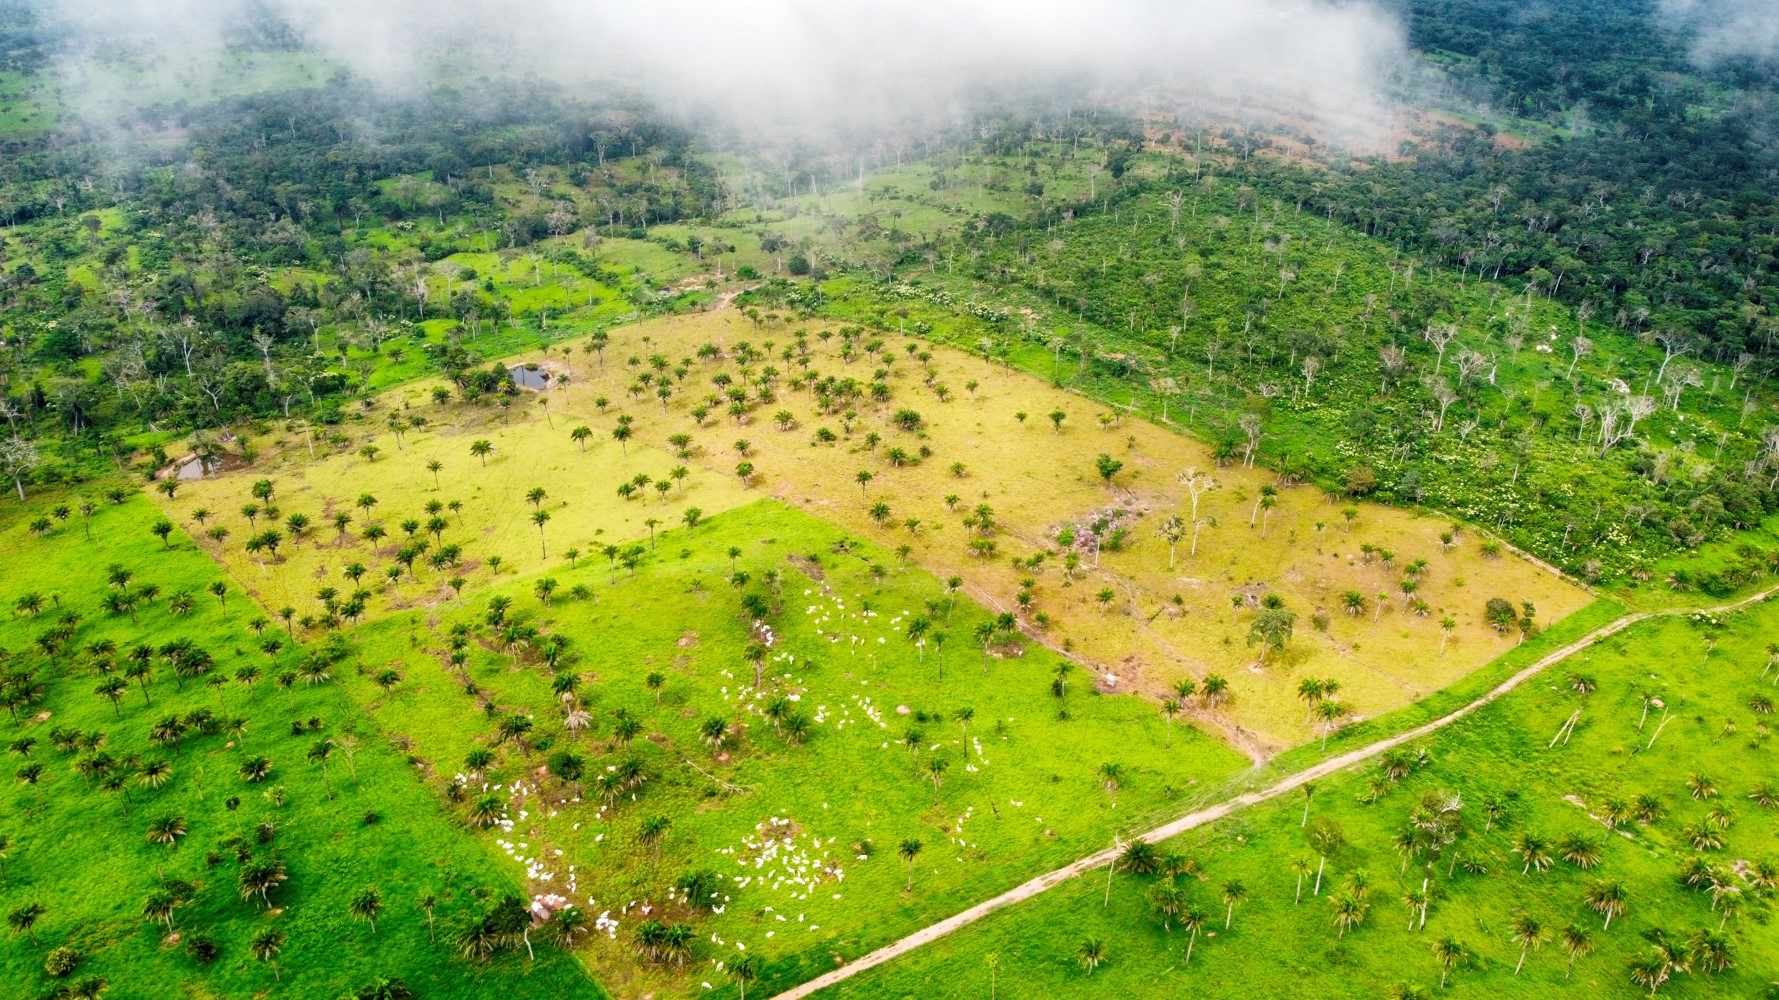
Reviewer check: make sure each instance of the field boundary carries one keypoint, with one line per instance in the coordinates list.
(1212, 813)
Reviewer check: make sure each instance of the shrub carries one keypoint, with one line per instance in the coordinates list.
(1500, 614)
(61, 962)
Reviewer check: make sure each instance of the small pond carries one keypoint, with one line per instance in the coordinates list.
(192, 468)
(530, 377)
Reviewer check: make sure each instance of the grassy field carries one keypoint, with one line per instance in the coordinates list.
(807, 861)
(24, 106)
(72, 821)
(1110, 600)
(531, 450)
(1161, 625)
(1702, 754)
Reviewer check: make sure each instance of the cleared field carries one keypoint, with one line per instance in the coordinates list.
(227, 754)
(492, 518)
(1158, 625)
(1389, 604)
(1686, 783)
(857, 738)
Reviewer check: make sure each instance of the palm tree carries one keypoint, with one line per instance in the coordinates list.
(1349, 912)
(487, 811)
(909, 849)
(112, 689)
(1416, 900)
(1528, 933)
(259, 878)
(1709, 951)
(652, 832)
(166, 830)
(744, 970)
(1533, 850)
(1329, 713)
(266, 945)
(482, 448)
(23, 919)
(1090, 954)
(1651, 973)
(1169, 901)
(1301, 868)
(1607, 898)
(154, 774)
(1576, 942)
(1450, 955)
(1324, 838)
(541, 518)
(366, 905)
(159, 907)
(580, 435)
(1192, 920)
(318, 754)
(934, 769)
(1233, 893)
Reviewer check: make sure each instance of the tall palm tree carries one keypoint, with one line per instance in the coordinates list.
(1192, 920)
(1416, 900)
(166, 830)
(1233, 893)
(541, 518)
(1301, 868)
(482, 448)
(266, 945)
(1576, 942)
(1608, 899)
(1349, 912)
(1450, 954)
(112, 689)
(744, 970)
(1528, 933)
(909, 849)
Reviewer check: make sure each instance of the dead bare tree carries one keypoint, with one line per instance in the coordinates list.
(1443, 396)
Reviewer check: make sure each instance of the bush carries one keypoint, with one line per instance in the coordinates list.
(1361, 480)
(1500, 614)
(203, 949)
(61, 962)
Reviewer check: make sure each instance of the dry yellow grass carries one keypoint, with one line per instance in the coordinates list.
(531, 449)
(1038, 479)
(1161, 625)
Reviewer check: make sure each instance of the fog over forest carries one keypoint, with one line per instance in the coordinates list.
(811, 68)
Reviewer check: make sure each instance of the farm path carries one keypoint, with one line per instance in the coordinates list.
(1210, 814)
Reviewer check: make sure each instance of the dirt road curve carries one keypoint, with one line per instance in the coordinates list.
(1210, 814)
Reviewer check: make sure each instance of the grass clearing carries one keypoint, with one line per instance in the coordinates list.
(1707, 675)
(494, 519)
(807, 862)
(1040, 481)
(363, 822)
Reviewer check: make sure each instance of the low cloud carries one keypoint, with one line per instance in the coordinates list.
(810, 65)
(1726, 29)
